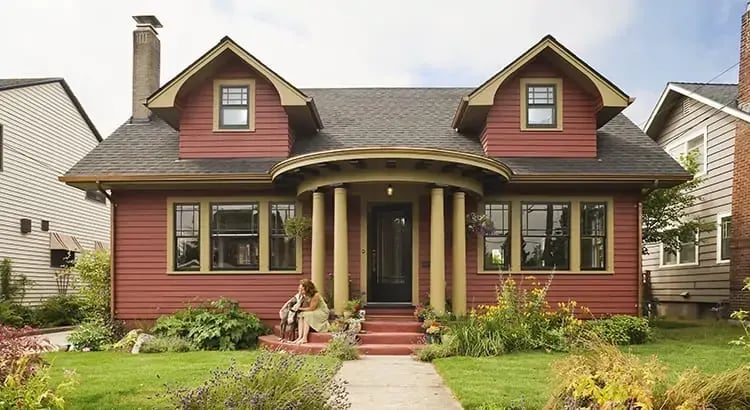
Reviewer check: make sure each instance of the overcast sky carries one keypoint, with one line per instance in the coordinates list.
(637, 44)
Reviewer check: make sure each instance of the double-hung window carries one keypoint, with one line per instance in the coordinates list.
(724, 238)
(593, 235)
(497, 242)
(545, 236)
(541, 106)
(686, 255)
(234, 107)
(187, 252)
(692, 143)
(283, 249)
(235, 236)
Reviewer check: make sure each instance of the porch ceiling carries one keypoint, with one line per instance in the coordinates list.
(390, 164)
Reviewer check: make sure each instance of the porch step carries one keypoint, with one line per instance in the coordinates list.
(368, 337)
(391, 326)
(272, 342)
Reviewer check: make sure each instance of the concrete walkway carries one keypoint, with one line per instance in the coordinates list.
(57, 339)
(395, 382)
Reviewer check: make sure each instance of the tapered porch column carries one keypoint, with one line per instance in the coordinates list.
(458, 278)
(340, 251)
(437, 251)
(318, 241)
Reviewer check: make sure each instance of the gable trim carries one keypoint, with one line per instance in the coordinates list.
(673, 88)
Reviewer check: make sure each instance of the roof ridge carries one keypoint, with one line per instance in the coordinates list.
(697, 83)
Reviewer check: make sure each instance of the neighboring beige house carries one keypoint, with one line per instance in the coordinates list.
(701, 117)
(43, 132)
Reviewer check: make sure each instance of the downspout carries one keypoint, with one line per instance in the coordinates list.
(112, 209)
(640, 259)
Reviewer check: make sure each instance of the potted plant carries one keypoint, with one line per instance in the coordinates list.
(433, 333)
(352, 308)
(299, 227)
(423, 312)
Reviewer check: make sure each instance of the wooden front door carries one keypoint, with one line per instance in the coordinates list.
(389, 253)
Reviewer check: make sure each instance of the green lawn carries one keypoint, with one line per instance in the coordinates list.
(113, 380)
(525, 377)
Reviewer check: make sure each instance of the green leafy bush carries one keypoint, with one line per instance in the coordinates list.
(433, 351)
(166, 344)
(16, 315)
(219, 324)
(28, 387)
(92, 335)
(274, 381)
(94, 272)
(342, 346)
(12, 286)
(621, 329)
(58, 311)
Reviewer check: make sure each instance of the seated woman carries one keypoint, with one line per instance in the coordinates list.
(315, 315)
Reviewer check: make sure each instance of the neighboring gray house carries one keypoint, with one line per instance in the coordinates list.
(694, 116)
(44, 131)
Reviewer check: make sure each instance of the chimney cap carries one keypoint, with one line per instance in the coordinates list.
(147, 21)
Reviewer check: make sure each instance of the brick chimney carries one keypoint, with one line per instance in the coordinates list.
(146, 64)
(740, 265)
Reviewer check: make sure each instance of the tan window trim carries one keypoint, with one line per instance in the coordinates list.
(264, 218)
(247, 82)
(575, 235)
(558, 83)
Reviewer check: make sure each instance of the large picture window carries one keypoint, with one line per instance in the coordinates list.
(283, 249)
(593, 236)
(187, 253)
(545, 235)
(235, 236)
(497, 242)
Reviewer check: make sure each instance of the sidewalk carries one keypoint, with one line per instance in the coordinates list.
(57, 339)
(395, 382)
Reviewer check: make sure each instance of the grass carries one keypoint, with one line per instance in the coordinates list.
(523, 378)
(114, 380)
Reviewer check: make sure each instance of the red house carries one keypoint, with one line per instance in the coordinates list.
(212, 162)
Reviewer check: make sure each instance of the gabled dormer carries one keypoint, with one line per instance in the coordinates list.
(228, 104)
(546, 103)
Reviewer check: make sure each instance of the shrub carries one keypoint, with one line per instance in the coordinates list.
(166, 344)
(27, 387)
(16, 315)
(342, 346)
(92, 334)
(12, 287)
(14, 346)
(621, 329)
(58, 311)
(605, 378)
(94, 273)
(219, 324)
(743, 317)
(274, 381)
(729, 390)
(432, 352)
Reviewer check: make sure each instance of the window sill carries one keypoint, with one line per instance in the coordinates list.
(251, 129)
(679, 265)
(723, 262)
(547, 272)
(541, 129)
(235, 272)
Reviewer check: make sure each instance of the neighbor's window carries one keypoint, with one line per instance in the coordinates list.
(234, 236)
(497, 243)
(61, 258)
(697, 144)
(686, 255)
(187, 249)
(545, 240)
(283, 249)
(541, 109)
(725, 237)
(593, 236)
(234, 108)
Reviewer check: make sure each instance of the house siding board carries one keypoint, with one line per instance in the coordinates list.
(43, 124)
(270, 139)
(707, 282)
(502, 136)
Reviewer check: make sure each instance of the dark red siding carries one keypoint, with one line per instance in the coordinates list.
(271, 137)
(502, 136)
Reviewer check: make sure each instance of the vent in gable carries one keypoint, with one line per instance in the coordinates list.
(686, 106)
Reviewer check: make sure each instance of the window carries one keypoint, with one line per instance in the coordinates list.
(593, 236)
(234, 107)
(724, 238)
(686, 255)
(61, 258)
(541, 110)
(283, 249)
(497, 243)
(545, 236)
(235, 235)
(96, 196)
(187, 253)
(692, 142)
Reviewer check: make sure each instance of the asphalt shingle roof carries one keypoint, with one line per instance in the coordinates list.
(6, 83)
(724, 94)
(362, 117)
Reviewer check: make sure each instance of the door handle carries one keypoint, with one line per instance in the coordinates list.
(374, 261)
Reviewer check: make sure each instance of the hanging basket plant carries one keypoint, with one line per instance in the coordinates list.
(298, 227)
(479, 224)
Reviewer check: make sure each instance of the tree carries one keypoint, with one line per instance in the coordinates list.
(665, 210)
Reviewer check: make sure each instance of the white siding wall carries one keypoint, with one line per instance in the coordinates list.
(708, 281)
(44, 136)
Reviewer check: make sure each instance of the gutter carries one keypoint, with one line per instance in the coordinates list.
(112, 213)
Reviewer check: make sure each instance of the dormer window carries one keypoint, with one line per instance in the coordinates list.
(541, 104)
(234, 108)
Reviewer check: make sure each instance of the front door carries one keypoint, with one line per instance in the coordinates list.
(390, 253)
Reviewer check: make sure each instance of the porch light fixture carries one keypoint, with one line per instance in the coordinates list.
(389, 190)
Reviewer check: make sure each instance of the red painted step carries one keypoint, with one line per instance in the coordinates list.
(272, 342)
(374, 326)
